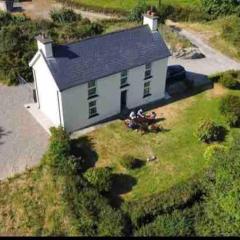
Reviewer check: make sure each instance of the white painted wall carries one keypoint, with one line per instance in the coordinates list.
(47, 91)
(75, 103)
(46, 48)
(3, 6)
(75, 100)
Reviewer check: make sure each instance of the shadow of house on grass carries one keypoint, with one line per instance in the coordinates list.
(83, 149)
(121, 184)
(196, 83)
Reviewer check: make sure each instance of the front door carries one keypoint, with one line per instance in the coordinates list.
(123, 100)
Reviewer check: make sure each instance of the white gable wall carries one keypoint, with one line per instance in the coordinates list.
(47, 91)
(75, 100)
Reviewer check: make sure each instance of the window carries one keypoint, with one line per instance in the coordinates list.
(146, 92)
(92, 89)
(148, 71)
(93, 109)
(124, 78)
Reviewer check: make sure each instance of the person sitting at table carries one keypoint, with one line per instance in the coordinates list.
(140, 114)
(153, 116)
(132, 115)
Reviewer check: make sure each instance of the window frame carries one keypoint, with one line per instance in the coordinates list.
(92, 88)
(124, 77)
(148, 71)
(92, 105)
(148, 88)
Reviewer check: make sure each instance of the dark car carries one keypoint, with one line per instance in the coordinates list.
(175, 73)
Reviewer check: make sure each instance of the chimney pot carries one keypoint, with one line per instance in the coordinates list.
(45, 45)
(151, 19)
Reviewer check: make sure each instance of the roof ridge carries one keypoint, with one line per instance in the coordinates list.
(103, 35)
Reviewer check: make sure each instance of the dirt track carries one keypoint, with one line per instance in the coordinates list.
(41, 9)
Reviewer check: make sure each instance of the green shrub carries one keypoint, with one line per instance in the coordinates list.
(230, 108)
(208, 131)
(93, 212)
(137, 12)
(111, 223)
(229, 82)
(100, 178)
(64, 16)
(144, 211)
(179, 223)
(215, 8)
(213, 151)
(230, 79)
(58, 156)
(129, 162)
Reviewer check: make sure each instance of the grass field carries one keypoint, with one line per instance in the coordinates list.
(32, 203)
(129, 4)
(179, 153)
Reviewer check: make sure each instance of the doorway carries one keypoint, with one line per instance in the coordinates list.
(123, 100)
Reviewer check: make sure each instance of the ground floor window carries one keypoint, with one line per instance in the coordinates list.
(146, 91)
(93, 109)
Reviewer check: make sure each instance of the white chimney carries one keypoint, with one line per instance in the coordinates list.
(45, 44)
(151, 20)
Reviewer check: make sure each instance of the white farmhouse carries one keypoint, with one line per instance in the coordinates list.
(83, 83)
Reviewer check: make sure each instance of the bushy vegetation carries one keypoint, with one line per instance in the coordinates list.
(216, 8)
(208, 131)
(230, 79)
(220, 214)
(146, 210)
(64, 16)
(230, 107)
(18, 44)
(193, 208)
(231, 30)
(100, 178)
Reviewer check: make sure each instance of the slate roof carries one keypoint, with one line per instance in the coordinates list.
(101, 56)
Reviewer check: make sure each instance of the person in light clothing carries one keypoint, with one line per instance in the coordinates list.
(140, 113)
(132, 115)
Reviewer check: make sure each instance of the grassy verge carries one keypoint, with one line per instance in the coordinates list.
(122, 7)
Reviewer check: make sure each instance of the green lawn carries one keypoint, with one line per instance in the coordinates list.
(129, 4)
(179, 153)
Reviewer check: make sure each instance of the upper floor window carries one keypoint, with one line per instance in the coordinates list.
(146, 91)
(148, 71)
(92, 89)
(124, 78)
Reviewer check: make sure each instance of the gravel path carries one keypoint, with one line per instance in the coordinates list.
(214, 61)
(22, 140)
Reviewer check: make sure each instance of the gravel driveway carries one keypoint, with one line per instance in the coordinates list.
(22, 140)
(214, 61)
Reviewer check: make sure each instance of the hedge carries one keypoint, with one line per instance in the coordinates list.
(144, 211)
